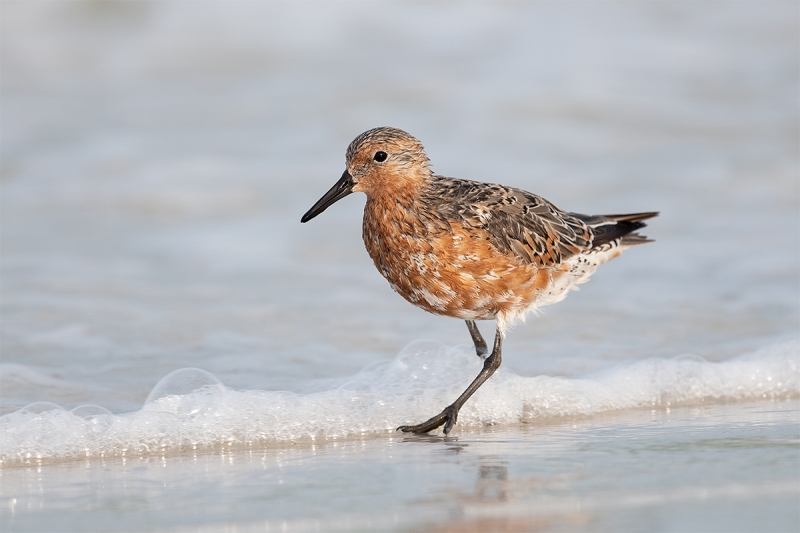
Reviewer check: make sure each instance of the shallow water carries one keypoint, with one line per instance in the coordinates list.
(156, 158)
(666, 470)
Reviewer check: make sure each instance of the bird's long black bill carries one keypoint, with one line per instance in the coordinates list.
(342, 188)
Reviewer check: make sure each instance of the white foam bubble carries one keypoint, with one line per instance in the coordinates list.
(183, 381)
(191, 410)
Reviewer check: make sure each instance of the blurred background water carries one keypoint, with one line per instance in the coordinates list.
(157, 156)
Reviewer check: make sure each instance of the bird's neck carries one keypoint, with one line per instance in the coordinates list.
(400, 193)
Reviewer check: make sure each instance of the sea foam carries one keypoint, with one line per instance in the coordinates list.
(190, 409)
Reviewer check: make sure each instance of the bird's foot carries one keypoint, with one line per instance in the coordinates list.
(447, 417)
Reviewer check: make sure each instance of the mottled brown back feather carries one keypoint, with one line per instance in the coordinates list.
(526, 225)
(514, 221)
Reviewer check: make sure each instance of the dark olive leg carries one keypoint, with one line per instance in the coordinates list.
(477, 338)
(449, 416)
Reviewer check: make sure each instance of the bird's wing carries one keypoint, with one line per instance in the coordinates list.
(516, 222)
(608, 229)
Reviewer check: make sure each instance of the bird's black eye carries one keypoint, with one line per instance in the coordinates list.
(380, 156)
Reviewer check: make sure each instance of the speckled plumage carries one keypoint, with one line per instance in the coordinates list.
(467, 249)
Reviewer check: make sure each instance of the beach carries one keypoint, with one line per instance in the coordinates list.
(180, 353)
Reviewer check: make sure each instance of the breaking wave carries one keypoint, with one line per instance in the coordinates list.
(190, 409)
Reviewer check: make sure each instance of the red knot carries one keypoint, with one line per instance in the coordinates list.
(467, 249)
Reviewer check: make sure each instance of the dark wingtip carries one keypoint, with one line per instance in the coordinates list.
(633, 217)
(634, 239)
(623, 228)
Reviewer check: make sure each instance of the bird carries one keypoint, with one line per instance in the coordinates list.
(468, 249)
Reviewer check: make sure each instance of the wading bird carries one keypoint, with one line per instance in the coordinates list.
(467, 249)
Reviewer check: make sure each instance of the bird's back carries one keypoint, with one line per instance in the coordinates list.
(480, 251)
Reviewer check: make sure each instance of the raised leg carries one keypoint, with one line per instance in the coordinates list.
(449, 415)
(477, 338)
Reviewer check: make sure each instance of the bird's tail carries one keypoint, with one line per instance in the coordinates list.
(633, 217)
(626, 225)
(608, 228)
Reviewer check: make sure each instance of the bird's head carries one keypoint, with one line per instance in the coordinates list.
(380, 161)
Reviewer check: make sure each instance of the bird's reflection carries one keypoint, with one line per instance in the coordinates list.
(451, 444)
(492, 482)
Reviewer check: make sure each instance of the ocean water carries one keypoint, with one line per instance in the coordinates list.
(180, 353)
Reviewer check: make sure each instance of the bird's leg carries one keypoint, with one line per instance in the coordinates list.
(449, 415)
(477, 338)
